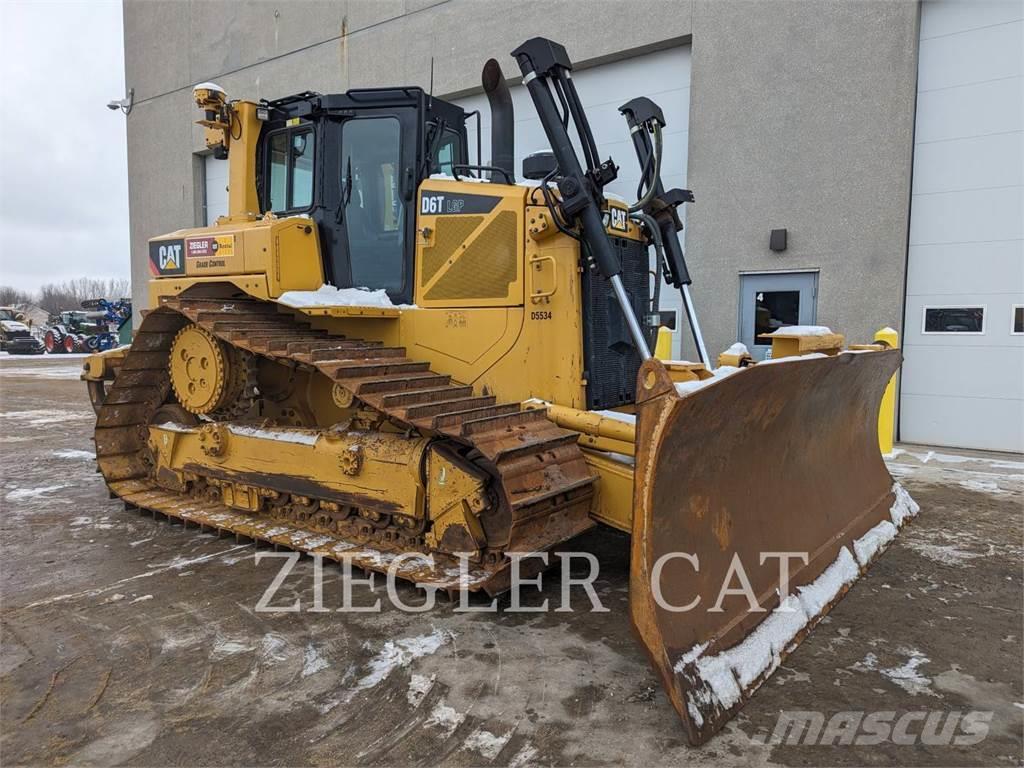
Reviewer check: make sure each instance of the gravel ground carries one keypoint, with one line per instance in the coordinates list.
(129, 640)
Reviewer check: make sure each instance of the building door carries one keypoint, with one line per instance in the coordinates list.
(769, 301)
(663, 76)
(963, 369)
(215, 188)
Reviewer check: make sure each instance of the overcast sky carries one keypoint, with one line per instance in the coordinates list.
(63, 163)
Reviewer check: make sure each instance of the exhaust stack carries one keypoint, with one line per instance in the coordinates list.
(503, 154)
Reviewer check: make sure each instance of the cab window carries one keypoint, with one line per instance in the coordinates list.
(449, 154)
(290, 169)
(374, 208)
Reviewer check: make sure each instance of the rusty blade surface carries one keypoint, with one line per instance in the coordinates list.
(775, 458)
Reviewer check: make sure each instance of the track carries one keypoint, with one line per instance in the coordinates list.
(540, 477)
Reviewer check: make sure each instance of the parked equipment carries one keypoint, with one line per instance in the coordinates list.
(15, 336)
(89, 329)
(484, 385)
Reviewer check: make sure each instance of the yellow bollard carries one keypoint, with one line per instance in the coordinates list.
(887, 411)
(663, 349)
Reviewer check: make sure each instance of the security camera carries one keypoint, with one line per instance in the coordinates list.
(114, 105)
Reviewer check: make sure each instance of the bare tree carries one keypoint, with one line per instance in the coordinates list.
(11, 297)
(55, 297)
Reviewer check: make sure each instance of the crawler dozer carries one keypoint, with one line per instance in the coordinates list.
(385, 353)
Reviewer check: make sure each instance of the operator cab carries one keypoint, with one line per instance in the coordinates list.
(353, 163)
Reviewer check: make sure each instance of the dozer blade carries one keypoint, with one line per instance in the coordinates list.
(776, 458)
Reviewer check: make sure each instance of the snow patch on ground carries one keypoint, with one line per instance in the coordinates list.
(446, 718)
(224, 647)
(984, 486)
(40, 418)
(75, 454)
(312, 661)
(401, 653)
(329, 296)
(907, 677)
(419, 687)
(23, 494)
(272, 648)
(486, 743)
(66, 372)
(948, 458)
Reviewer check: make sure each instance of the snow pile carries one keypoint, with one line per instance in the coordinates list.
(722, 677)
(329, 296)
(802, 330)
(739, 348)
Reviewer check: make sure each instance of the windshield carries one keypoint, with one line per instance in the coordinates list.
(374, 211)
(6, 314)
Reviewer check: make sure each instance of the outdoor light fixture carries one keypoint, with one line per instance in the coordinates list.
(777, 240)
(125, 104)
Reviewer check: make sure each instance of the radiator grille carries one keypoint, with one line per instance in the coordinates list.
(485, 269)
(610, 360)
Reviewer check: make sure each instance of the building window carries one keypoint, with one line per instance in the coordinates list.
(1017, 319)
(774, 310)
(955, 319)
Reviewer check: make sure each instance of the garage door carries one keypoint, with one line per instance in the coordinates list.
(963, 379)
(663, 76)
(215, 176)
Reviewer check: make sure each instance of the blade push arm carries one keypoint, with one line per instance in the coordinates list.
(546, 72)
(644, 119)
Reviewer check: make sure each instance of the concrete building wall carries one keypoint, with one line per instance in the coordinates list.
(801, 115)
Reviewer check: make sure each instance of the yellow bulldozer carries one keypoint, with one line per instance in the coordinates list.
(387, 354)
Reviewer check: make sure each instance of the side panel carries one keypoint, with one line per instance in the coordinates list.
(469, 244)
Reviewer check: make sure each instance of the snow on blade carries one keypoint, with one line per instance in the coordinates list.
(687, 387)
(903, 507)
(802, 330)
(873, 542)
(723, 677)
(329, 296)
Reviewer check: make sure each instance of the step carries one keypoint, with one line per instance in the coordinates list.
(401, 382)
(328, 352)
(503, 422)
(455, 418)
(424, 396)
(362, 368)
(450, 404)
